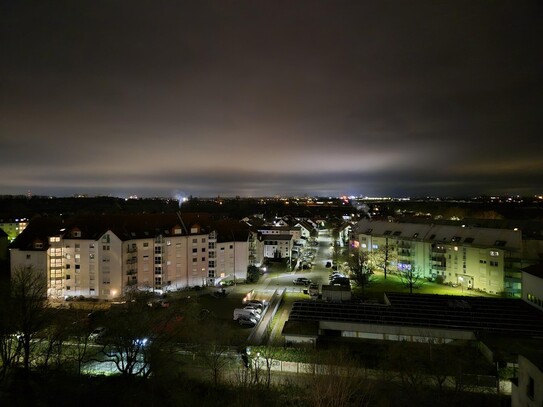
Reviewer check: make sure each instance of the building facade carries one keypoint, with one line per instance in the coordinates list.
(475, 258)
(105, 257)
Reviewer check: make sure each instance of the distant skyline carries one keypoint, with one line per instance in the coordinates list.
(324, 98)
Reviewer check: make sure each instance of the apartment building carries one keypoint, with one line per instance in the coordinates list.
(13, 227)
(475, 258)
(104, 256)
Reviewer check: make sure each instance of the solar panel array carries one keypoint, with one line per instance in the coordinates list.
(477, 314)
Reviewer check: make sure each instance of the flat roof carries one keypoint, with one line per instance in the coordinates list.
(477, 314)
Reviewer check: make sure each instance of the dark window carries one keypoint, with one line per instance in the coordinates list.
(530, 388)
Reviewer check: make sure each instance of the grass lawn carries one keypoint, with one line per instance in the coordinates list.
(392, 283)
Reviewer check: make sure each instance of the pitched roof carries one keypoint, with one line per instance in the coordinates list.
(128, 227)
(478, 237)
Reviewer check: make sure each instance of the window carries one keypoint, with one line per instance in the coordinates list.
(54, 239)
(194, 241)
(203, 239)
(68, 277)
(28, 256)
(194, 250)
(168, 242)
(494, 253)
(67, 266)
(91, 256)
(194, 259)
(158, 260)
(77, 267)
(232, 246)
(203, 249)
(530, 388)
(374, 246)
(38, 245)
(91, 245)
(203, 259)
(105, 247)
(146, 244)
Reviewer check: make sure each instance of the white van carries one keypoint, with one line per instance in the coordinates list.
(248, 313)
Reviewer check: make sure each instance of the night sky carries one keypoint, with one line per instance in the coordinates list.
(257, 98)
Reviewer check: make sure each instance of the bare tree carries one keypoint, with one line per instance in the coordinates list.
(337, 381)
(384, 258)
(52, 345)
(28, 295)
(264, 358)
(128, 339)
(10, 345)
(214, 348)
(411, 277)
(361, 272)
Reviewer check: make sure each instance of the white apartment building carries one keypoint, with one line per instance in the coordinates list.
(103, 257)
(296, 231)
(475, 258)
(277, 246)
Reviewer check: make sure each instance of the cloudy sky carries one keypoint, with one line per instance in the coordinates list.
(253, 98)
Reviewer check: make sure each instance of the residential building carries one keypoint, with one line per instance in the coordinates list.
(532, 285)
(483, 259)
(527, 389)
(13, 227)
(105, 256)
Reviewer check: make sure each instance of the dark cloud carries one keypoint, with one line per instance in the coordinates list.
(264, 98)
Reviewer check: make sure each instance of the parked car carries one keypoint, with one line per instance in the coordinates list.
(336, 274)
(247, 321)
(258, 310)
(301, 281)
(246, 313)
(344, 281)
(97, 333)
(255, 303)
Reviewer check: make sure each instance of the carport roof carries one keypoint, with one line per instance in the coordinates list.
(477, 314)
